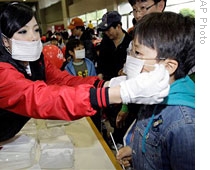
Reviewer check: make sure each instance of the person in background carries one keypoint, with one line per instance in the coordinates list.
(31, 87)
(130, 30)
(90, 25)
(54, 40)
(90, 28)
(48, 34)
(60, 40)
(79, 65)
(163, 136)
(113, 47)
(78, 31)
(112, 56)
(65, 36)
(143, 7)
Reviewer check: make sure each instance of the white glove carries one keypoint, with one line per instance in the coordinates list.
(116, 81)
(146, 88)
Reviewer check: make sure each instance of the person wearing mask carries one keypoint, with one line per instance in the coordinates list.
(79, 65)
(127, 114)
(32, 87)
(78, 31)
(163, 136)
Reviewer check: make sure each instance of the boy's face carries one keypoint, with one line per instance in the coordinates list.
(148, 55)
(79, 47)
(72, 53)
(142, 8)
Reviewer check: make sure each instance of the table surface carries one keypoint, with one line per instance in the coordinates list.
(91, 152)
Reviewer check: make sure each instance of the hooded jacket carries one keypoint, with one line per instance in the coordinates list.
(90, 67)
(164, 134)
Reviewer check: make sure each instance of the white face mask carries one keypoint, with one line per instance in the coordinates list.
(79, 54)
(133, 66)
(26, 50)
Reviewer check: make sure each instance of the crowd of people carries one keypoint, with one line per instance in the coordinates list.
(136, 79)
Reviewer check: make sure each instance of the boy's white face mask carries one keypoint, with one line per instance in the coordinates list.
(133, 66)
(80, 54)
(26, 50)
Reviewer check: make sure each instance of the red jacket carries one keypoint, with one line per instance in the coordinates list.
(61, 96)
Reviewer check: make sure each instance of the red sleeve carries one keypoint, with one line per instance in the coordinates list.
(50, 100)
(56, 76)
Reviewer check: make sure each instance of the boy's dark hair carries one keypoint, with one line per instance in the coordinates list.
(172, 36)
(133, 2)
(71, 45)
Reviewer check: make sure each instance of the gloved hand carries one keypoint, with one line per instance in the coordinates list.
(116, 81)
(146, 88)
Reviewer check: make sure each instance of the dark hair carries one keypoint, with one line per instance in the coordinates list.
(65, 34)
(171, 35)
(133, 2)
(13, 17)
(134, 21)
(115, 24)
(53, 37)
(80, 27)
(71, 45)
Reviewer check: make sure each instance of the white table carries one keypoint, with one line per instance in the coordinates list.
(91, 151)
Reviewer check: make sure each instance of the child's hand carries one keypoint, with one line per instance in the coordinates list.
(124, 156)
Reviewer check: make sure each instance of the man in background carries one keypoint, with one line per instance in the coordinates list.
(143, 7)
(112, 56)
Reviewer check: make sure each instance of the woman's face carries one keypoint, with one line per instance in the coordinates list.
(30, 32)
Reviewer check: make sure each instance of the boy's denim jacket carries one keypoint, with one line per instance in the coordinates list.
(164, 134)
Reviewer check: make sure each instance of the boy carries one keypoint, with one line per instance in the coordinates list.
(79, 65)
(164, 134)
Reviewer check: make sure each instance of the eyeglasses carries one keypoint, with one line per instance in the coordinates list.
(134, 54)
(143, 9)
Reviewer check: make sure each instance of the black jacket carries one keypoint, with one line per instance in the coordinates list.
(112, 59)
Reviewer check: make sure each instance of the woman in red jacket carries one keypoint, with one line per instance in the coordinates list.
(30, 86)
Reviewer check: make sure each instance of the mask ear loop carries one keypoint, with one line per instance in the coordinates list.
(4, 8)
(7, 48)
